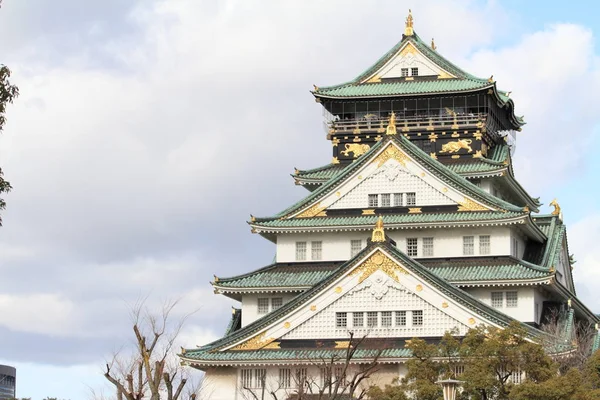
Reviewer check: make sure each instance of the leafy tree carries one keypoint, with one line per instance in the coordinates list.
(8, 93)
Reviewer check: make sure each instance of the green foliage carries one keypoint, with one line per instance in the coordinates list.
(8, 93)
(389, 392)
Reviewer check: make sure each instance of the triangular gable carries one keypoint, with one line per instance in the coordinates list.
(377, 258)
(408, 56)
(388, 162)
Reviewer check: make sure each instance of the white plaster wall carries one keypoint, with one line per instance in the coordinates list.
(525, 310)
(447, 242)
(392, 179)
(386, 374)
(336, 246)
(250, 305)
(393, 68)
(220, 384)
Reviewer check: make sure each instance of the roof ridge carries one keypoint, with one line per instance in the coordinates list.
(235, 277)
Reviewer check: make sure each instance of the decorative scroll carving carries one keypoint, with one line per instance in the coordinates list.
(415, 210)
(391, 152)
(356, 148)
(470, 205)
(378, 262)
(315, 210)
(254, 343)
(454, 147)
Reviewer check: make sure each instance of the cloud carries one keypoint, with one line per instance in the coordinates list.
(583, 237)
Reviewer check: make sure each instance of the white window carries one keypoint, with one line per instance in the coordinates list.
(412, 247)
(285, 378)
(497, 299)
(246, 378)
(373, 200)
(338, 373)
(301, 376)
(325, 377)
(400, 318)
(259, 377)
(316, 250)
(404, 71)
(386, 200)
(468, 245)
(414, 71)
(300, 251)
(276, 302)
(386, 318)
(417, 318)
(484, 245)
(263, 305)
(341, 319)
(358, 319)
(355, 247)
(398, 200)
(411, 199)
(514, 247)
(428, 247)
(512, 299)
(372, 319)
(517, 376)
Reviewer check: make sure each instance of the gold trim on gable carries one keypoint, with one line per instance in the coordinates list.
(378, 262)
(391, 152)
(470, 205)
(316, 210)
(254, 343)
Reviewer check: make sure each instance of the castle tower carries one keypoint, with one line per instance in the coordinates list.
(417, 226)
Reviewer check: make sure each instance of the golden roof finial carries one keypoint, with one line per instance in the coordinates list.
(408, 31)
(391, 128)
(433, 46)
(378, 233)
(556, 207)
(491, 79)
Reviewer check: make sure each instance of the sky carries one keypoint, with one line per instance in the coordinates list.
(148, 131)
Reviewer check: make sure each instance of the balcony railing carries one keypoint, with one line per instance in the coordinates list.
(374, 124)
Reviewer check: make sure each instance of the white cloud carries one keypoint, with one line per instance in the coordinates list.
(583, 243)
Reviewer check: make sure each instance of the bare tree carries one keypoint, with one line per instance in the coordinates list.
(572, 351)
(335, 377)
(151, 370)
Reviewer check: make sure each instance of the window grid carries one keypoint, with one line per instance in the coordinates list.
(341, 320)
(411, 199)
(263, 305)
(246, 378)
(414, 71)
(398, 200)
(386, 200)
(276, 302)
(300, 251)
(301, 375)
(428, 247)
(468, 245)
(404, 72)
(316, 250)
(386, 319)
(400, 318)
(512, 299)
(358, 319)
(285, 378)
(412, 245)
(484, 244)
(497, 299)
(355, 247)
(372, 319)
(373, 200)
(259, 377)
(417, 318)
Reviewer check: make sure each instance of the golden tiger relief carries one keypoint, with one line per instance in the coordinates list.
(357, 148)
(454, 147)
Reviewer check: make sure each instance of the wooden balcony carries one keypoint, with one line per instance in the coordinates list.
(373, 124)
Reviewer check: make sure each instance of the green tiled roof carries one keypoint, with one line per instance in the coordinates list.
(323, 173)
(305, 275)
(433, 166)
(404, 88)
(461, 271)
(282, 275)
(411, 265)
(235, 322)
(291, 354)
(390, 220)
